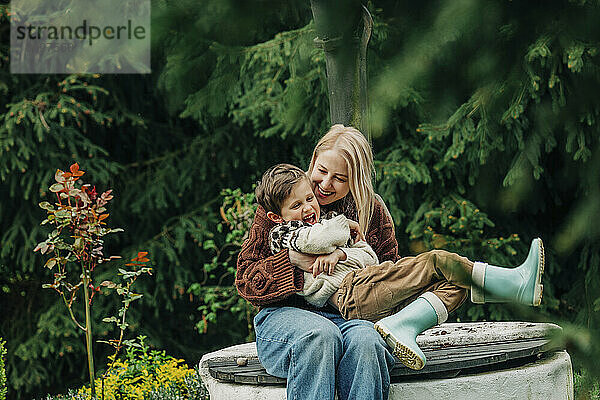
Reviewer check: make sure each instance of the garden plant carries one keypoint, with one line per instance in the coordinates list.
(76, 247)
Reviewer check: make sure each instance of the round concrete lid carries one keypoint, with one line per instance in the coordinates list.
(450, 348)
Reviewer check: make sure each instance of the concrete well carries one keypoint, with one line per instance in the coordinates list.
(546, 376)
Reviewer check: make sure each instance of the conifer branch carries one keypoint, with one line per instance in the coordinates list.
(155, 160)
(280, 39)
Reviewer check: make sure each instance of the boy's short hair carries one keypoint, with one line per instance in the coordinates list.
(276, 185)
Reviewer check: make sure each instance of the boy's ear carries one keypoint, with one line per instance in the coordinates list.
(274, 217)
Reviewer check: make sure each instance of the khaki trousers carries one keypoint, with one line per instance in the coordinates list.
(381, 290)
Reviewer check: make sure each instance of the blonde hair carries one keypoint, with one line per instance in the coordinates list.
(354, 148)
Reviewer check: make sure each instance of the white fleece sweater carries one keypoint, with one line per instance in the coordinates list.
(323, 238)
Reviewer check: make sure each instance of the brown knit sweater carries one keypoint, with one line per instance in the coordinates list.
(271, 280)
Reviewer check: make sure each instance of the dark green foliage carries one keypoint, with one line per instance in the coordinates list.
(585, 387)
(215, 290)
(482, 111)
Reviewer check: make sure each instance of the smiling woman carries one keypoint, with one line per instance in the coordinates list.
(330, 177)
(342, 163)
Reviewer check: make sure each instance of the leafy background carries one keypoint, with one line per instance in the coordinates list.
(484, 125)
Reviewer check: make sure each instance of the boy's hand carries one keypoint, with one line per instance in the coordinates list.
(355, 232)
(327, 262)
(302, 261)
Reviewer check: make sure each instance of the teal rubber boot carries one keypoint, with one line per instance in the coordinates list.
(522, 285)
(401, 329)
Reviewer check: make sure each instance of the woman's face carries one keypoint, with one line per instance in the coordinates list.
(330, 177)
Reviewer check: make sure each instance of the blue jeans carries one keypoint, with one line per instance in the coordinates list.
(317, 351)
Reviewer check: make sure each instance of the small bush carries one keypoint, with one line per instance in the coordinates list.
(3, 388)
(148, 374)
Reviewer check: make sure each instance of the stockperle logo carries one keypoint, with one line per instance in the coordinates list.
(78, 36)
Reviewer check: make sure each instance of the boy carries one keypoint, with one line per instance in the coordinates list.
(286, 194)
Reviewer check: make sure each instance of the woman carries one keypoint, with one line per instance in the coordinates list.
(315, 349)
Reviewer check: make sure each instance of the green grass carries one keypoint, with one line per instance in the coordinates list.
(586, 387)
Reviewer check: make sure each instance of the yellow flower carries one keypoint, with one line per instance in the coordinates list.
(171, 372)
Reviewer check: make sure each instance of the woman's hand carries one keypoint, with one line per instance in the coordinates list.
(355, 231)
(302, 261)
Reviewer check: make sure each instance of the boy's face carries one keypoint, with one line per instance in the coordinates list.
(301, 205)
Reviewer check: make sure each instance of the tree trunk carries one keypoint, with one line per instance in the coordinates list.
(343, 29)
